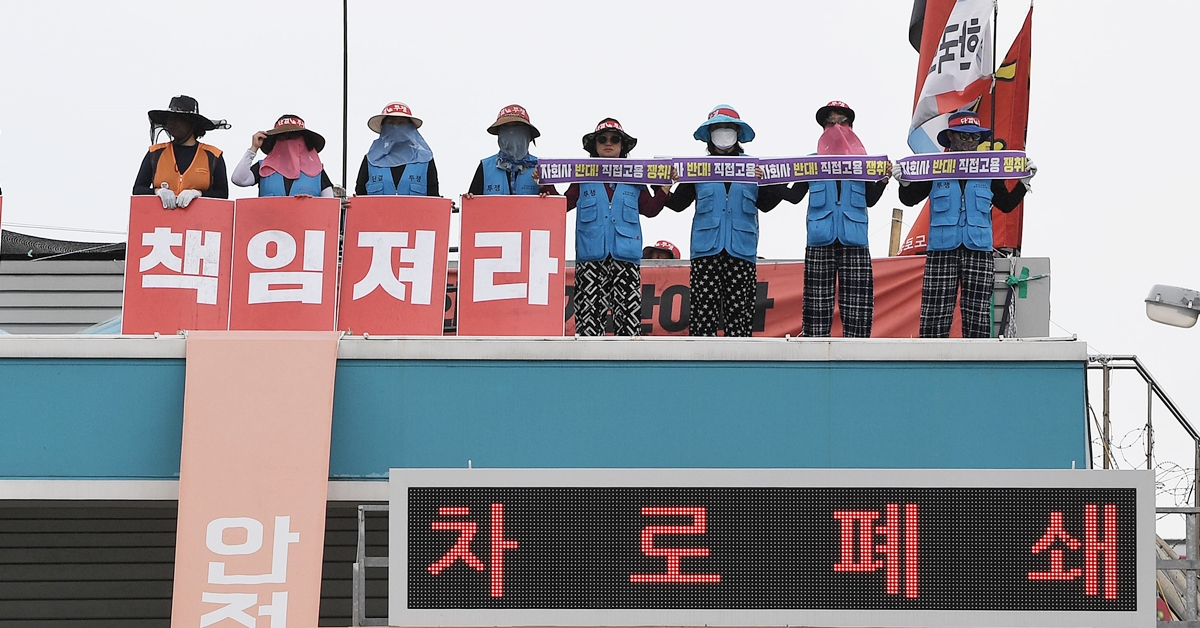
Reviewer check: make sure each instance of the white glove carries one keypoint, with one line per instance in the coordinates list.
(187, 196)
(1027, 180)
(167, 196)
(898, 173)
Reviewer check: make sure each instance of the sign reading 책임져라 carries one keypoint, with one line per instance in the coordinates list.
(823, 167)
(1002, 164)
(715, 169)
(643, 171)
(691, 547)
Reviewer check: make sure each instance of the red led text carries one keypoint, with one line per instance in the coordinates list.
(461, 550)
(1056, 541)
(674, 554)
(859, 549)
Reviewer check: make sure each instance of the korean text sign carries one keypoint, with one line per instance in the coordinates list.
(1001, 164)
(178, 266)
(787, 547)
(285, 263)
(253, 479)
(394, 265)
(512, 274)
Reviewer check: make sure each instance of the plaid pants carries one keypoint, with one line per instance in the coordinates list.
(850, 267)
(944, 272)
(723, 289)
(608, 285)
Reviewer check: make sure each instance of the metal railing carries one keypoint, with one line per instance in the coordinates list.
(1189, 566)
(362, 562)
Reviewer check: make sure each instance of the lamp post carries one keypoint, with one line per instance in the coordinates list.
(1171, 305)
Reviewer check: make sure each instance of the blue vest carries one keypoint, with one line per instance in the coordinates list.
(273, 185)
(831, 219)
(604, 227)
(495, 180)
(413, 180)
(960, 215)
(725, 221)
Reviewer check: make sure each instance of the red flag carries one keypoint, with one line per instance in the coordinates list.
(1010, 125)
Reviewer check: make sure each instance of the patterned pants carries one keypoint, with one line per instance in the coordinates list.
(723, 291)
(608, 285)
(944, 272)
(850, 266)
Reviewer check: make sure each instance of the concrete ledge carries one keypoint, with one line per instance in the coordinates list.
(602, 349)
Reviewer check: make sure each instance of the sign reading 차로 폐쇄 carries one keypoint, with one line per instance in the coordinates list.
(1004, 164)
(689, 547)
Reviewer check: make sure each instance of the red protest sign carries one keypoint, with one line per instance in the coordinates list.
(511, 269)
(394, 265)
(177, 266)
(285, 264)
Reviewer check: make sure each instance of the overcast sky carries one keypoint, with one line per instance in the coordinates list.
(1109, 90)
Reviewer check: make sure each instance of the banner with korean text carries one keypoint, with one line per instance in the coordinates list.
(253, 478)
(178, 266)
(394, 265)
(1001, 164)
(285, 264)
(637, 171)
(512, 272)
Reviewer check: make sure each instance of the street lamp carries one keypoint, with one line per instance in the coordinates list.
(1171, 305)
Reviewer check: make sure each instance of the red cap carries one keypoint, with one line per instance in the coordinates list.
(667, 246)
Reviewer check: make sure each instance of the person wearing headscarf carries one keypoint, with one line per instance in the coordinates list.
(183, 169)
(399, 161)
(513, 169)
(960, 235)
(292, 166)
(837, 253)
(724, 247)
(608, 239)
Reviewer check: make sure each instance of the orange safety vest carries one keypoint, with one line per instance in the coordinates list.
(197, 176)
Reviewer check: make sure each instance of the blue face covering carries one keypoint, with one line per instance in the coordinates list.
(398, 144)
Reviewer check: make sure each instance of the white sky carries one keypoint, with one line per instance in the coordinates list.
(1109, 82)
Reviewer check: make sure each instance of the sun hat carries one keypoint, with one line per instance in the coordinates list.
(185, 107)
(609, 124)
(393, 110)
(513, 113)
(964, 122)
(838, 106)
(726, 114)
(292, 123)
(663, 245)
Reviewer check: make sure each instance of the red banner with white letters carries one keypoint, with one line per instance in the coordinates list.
(178, 266)
(394, 265)
(513, 276)
(285, 264)
(666, 298)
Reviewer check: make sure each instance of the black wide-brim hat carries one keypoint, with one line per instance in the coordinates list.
(838, 106)
(609, 124)
(291, 123)
(185, 107)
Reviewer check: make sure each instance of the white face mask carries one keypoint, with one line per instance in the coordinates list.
(724, 138)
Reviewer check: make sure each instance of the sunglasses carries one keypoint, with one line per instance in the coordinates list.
(974, 137)
(608, 139)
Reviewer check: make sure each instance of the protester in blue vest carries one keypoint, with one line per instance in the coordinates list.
(836, 255)
(724, 275)
(960, 235)
(512, 170)
(292, 166)
(608, 239)
(399, 161)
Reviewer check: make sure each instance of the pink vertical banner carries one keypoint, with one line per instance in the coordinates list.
(253, 478)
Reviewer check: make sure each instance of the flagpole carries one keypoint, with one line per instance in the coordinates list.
(995, 44)
(346, 85)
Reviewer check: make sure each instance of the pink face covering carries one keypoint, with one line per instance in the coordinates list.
(291, 157)
(840, 139)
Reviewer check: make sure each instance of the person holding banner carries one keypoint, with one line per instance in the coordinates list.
(512, 170)
(183, 169)
(960, 235)
(608, 239)
(399, 161)
(837, 253)
(292, 166)
(724, 275)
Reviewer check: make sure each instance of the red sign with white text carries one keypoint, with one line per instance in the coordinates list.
(512, 275)
(394, 265)
(177, 266)
(285, 264)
